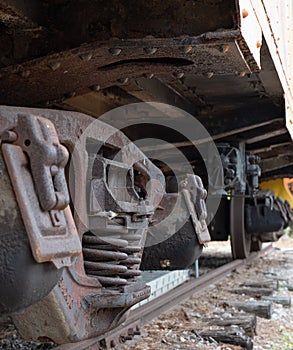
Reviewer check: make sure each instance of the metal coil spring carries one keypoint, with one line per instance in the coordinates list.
(112, 260)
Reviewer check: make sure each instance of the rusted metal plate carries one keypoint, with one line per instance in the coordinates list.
(35, 162)
(18, 266)
(53, 236)
(63, 25)
(118, 61)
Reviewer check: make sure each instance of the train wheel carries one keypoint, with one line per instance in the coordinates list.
(240, 240)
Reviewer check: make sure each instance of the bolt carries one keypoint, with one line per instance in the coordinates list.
(54, 170)
(209, 74)
(245, 13)
(225, 48)
(96, 88)
(86, 56)
(70, 94)
(242, 74)
(150, 50)
(54, 65)
(123, 81)
(187, 49)
(25, 74)
(147, 37)
(178, 75)
(115, 51)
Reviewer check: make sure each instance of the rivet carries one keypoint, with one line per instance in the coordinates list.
(178, 75)
(115, 51)
(150, 50)
(225, 48)
(54, 65)
(25, 73)
(245, 13)
(70, 94)
(209, 74)
(187, 49)
(258, 44)
(54, 170)
(123, 81)
(242, 74)
(86, 56)
(96, 88)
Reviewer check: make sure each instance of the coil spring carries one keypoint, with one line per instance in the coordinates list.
(112, 260)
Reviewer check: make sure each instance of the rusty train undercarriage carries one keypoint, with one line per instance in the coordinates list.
(131, 135)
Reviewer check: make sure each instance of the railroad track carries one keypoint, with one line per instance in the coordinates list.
(147, 312)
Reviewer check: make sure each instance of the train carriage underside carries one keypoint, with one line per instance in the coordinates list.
(64, 68)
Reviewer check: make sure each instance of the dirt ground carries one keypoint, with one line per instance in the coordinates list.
(180, 328)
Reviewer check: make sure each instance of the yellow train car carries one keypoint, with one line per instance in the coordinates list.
(282, 187)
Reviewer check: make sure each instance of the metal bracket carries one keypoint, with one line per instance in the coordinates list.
(194, 194)
(35, 161)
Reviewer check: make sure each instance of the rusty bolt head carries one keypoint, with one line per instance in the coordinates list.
(148, 76)
(115, 51)
(240, 74)
(245, 13)
(178, 75)
(54, 65)
(96, 88)
(147, 37)
(54, 170)
(86, 56)
(225, 48)
(187, 49)
(70, 94)
(150, 50)
(209, 75)
(165, 263)
(25, 74)
(123, 81)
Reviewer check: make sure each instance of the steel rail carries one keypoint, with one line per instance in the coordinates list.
(147, 312)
